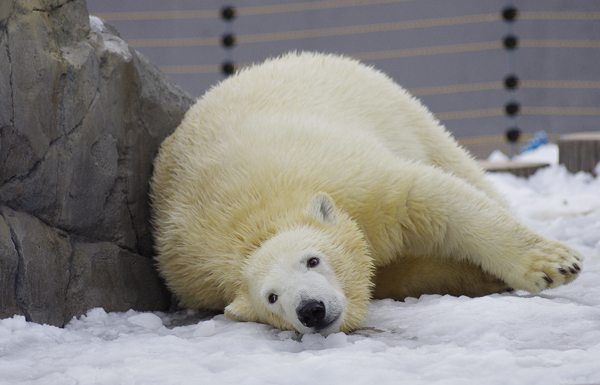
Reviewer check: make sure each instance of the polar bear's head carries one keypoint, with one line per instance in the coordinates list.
(313, 277)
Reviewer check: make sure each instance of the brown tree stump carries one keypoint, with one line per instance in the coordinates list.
(579, 151)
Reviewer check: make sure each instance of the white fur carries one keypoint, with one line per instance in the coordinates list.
(319, 154)
(293, 282)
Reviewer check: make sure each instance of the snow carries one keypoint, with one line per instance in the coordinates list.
(111, 42)
(96, 24)
(519, 338)
(544, 154)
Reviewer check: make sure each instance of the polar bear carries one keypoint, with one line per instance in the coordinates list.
(297, 190)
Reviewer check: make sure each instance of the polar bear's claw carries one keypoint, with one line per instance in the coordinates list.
(547, 265)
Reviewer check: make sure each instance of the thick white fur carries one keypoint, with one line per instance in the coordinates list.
(235, 187)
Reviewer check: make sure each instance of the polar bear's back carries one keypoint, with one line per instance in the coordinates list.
(336, 89)
(341, 90)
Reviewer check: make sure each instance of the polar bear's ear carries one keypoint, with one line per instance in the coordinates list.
(322, 208)
(241, 309)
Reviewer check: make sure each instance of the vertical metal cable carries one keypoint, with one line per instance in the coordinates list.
(228, 40)
(511, 81)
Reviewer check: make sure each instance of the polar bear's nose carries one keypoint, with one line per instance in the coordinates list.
(311, 314)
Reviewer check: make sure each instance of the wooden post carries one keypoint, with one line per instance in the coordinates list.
(579, 151)
(522, 169)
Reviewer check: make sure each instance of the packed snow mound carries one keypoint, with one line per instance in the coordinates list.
(547, 153)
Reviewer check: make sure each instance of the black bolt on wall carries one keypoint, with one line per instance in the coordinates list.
(513, 134)
(228, 68)
(509, 14)
(512, 108)
(228, 13)
(510, 42)
(228, 40)
(511, 82)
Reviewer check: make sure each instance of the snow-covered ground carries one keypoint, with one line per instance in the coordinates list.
(549, 338)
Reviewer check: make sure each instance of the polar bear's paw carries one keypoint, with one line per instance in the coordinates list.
(549, 264)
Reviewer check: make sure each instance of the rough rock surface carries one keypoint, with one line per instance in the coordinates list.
(81, 118)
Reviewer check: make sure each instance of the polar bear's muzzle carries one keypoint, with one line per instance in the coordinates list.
(314, 315)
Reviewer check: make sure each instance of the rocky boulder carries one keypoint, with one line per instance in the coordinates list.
(81, 117)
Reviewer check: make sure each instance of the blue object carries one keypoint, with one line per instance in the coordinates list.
(539, 139)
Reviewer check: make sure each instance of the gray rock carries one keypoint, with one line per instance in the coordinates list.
(42, 269)
(81, 118)
(9, 263)
(103, 273)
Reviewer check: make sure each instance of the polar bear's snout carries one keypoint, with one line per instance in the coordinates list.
(312, 314)
(319, 316)
(312, 303)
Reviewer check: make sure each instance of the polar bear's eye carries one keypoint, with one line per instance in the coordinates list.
(272, 298)
(313, 262)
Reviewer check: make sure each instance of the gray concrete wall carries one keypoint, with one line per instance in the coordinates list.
(447, 52)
